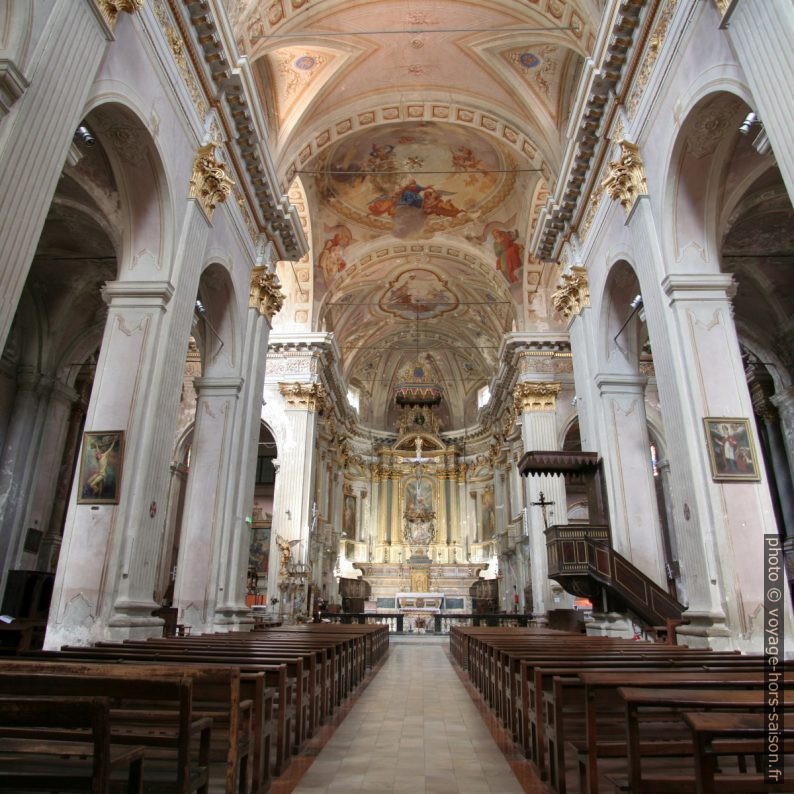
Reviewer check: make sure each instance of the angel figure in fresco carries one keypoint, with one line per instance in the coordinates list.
(331, 258)
(508, 253)
(464, 159)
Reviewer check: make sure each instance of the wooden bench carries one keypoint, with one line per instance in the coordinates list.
(162, 720)
(657, 705)
(711, 732)
(58, 743)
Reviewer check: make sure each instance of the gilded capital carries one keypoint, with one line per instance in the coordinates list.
(626, 178)
(110, 9)
(533, 396)
(303, 396)
(573, 294)
(722, 6)
(210, 183)
(265, 295)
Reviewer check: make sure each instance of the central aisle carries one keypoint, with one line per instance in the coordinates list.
(413, 729)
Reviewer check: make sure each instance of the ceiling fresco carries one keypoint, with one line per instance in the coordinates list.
(424, 138)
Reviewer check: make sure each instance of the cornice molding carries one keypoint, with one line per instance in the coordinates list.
(536, 396)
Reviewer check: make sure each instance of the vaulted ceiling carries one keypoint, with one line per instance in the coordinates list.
(423, 136)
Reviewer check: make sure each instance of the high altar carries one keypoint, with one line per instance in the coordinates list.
(419, 547)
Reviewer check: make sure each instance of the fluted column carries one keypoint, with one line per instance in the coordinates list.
(633, 512)
(72, 45)
(784, 402)
(265, 300)
(295, 486)
(18, 463)
(760, 34)
(536, 404)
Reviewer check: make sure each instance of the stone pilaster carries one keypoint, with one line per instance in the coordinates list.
(136, 389)
(199, 580)
(761, 34)
(784, 402)
(634, 517)
(536, 404)
(73, 44)
(719, 527)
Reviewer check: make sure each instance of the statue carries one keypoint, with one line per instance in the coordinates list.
(285, 547)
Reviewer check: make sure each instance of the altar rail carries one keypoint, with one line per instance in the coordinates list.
(440, 624)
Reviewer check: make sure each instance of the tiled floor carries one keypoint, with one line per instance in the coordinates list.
(414, 729)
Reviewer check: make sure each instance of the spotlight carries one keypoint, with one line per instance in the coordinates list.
(748, 122)
(85, 135)
(636, 302)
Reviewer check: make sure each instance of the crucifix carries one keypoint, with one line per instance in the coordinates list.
(418, 461)
(543, 504)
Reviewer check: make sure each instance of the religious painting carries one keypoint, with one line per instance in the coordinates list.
(415, 180)
(100, 467)
(488, 516)
(731, 449)
(418, 496)
(508, 252)
(418, 294)
(259, 552)
(349, 516)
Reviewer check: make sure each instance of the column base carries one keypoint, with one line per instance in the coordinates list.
(706, 630)
(232, 619)
(133, 620)
(610, 624)
(539, 620)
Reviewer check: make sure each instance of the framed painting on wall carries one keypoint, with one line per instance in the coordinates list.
(731, 449)
(100, 467)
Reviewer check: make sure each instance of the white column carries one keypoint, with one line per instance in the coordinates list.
(199, 584)
(40, 128)
(18, 464)
(107, 573)
(235, 549)
(633, 512)
(294, 487)
(760, 33)
(719, 526)
(536, 403)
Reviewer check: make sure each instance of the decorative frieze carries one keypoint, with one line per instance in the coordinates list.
(533, 396)
(210, 183)
(303, 396)
(625, 181)
(573, 294)
(112, 8)
(265, 295)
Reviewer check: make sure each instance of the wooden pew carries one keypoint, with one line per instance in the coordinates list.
(658, 704)
(54, 742)
(163, 723)
(711, 731)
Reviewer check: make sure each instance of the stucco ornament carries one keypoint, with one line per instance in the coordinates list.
(626, 178)
(112, 8)
(573, 294)
(534, 396)
(265, 295)
(210, 183)
(304, 396)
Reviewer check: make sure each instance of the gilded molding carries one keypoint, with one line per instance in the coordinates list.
(303, 396)
(626, 179)
(534, 396)
(210, 183)
(111, 9)
(722, 6)
(265, 295)
(573, 294)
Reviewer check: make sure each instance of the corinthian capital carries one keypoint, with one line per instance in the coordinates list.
(573, 294)
(112, 8)
(533, 396)
(303, 396)
(626, 178)
(265, 295)
(210, 183)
